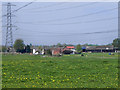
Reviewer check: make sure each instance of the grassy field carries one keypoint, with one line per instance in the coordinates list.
(94, 70)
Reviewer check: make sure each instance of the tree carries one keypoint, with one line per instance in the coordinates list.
(64, 45)
(49, 52)
(59, 45)
(78, 48)
(19, 45)
(109, 44)
(28, 50)
(116, 42)
(3, 49)
(86, 44)
(39, 47)
(30, 45)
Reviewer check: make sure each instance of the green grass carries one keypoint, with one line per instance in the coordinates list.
(94, 70)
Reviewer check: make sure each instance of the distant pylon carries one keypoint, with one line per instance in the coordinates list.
(9, 37)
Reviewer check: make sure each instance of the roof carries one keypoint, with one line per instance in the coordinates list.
(83, 47)
(99, 47)
(70, 47)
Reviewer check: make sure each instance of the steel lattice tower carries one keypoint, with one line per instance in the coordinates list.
(9, 37)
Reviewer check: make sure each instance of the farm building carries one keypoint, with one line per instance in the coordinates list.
(56, 51)
(69, 50)
(36, 50)
(104, 48)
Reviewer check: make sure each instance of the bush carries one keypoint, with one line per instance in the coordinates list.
(49, 52)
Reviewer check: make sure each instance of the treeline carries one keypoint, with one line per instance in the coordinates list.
(19, 46)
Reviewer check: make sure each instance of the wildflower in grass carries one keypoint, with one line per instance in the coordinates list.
(53, 80)
(83, 75)
(45, 83)
(17, 78)
(116, 78)
(68, 79)
(38, 72)
(38, 75)
(33, 86)
(26, 86)
(4, 73)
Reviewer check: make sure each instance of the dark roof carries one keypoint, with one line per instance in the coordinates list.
(105, 47)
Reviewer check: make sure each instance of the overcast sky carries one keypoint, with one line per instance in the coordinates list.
(48, 23)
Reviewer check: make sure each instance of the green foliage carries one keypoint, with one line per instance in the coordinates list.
(3, 49)
(59, 45)
(109, 44)
(86, 44)
(28, 50)
(30, 45)
(116, 42)
(19, 45)
(64, 45)
(96, 70)
(49, 52)
(39, 47)
(93, 45)
(90, 44)
(78, 48)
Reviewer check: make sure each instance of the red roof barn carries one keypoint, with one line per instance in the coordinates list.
(68, 48)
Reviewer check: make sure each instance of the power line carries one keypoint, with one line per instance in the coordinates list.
(80, 35)
(51, 5)
(94, 13)
(85, 21)
(68, 7)
(72, 34)
(74, 17)
(92, 21)
(23, 6)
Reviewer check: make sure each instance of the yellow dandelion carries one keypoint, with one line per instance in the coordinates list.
(45, 84)
(33, 86)
(67, 79)
(53, 80)
(4, 73)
